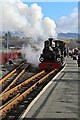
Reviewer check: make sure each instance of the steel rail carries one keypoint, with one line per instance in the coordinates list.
(9, 75)
(18, 76)
(1, 107)
(18, 87)
(16, 101)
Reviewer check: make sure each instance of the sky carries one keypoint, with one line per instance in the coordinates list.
(57, 11)
(17, 15)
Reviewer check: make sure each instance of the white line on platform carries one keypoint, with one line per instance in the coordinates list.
(38, 96)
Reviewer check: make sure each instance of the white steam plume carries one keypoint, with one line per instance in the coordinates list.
(17, 16)
(33, 53)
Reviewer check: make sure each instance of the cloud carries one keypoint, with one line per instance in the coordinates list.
(68, 23)
(18, 16)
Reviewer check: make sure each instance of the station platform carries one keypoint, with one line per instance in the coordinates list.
(59, 99)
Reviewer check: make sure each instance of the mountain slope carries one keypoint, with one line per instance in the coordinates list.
(69, 36)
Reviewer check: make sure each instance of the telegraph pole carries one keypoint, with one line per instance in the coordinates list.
(7, 43)
(8, 39)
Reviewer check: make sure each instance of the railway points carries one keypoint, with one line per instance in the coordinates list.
(36, 86)
(60, 99)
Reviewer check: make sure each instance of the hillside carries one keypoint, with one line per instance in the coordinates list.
(72, 39)
(69, 36)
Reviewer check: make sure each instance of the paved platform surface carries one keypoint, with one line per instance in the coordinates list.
(60, 100)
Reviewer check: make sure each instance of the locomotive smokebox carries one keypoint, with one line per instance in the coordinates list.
(50, 41)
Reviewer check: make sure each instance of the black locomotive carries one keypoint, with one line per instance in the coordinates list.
(53, 54)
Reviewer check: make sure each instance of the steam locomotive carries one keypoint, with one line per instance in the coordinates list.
(53, 54)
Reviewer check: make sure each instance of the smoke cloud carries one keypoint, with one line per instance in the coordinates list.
(18, 16)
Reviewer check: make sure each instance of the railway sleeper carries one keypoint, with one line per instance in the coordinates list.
(22, 105)
(25, 88)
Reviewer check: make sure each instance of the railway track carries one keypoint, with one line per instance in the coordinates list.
(10, 79)
(21, 95)
(19, 88)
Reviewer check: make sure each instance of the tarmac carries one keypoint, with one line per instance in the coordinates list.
(60, 98)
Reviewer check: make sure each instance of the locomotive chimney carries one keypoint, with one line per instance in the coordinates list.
(50, 41)
(46, 44)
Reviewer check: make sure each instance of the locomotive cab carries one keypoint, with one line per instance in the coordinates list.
(60, 46)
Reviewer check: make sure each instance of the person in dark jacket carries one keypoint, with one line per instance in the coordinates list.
(78, 61)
